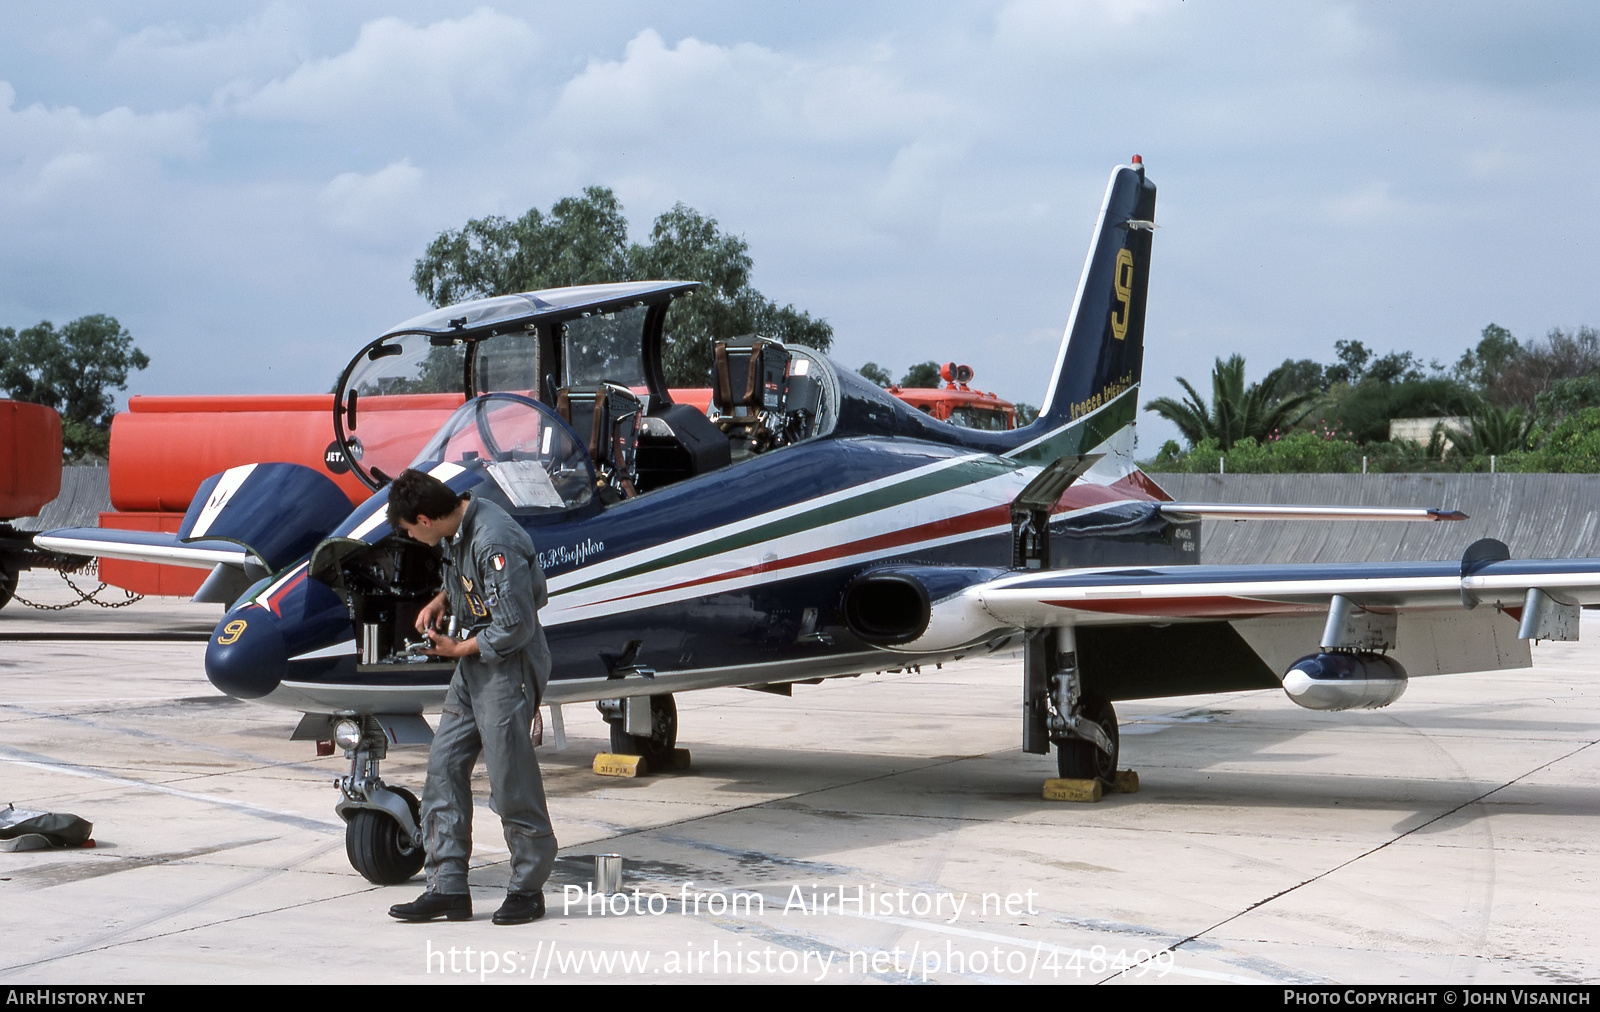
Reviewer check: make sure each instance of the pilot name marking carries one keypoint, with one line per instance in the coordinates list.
(563, 555)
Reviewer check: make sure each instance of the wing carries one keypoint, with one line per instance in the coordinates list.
(1170, 630)
(1191, 593)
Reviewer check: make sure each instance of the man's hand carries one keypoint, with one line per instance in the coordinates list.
(431, 614)
(444, 646)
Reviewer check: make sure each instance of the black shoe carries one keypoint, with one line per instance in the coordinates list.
(520, 908)
(450, 906)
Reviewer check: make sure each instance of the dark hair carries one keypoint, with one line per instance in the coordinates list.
(417, 493)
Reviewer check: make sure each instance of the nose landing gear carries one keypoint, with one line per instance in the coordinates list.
(382, 833)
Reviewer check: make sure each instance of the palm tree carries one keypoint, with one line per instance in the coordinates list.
(1492, 432)
(1236, 412)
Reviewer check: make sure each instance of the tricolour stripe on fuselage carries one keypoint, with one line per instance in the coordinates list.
(959, 499)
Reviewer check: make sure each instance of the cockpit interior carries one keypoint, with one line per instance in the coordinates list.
(562, 397)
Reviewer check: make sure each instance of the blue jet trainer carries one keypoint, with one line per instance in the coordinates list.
(812, 526)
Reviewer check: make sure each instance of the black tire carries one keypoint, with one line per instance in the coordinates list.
(376, 844)
(1082, 760)
(8, 586)
(663, 738)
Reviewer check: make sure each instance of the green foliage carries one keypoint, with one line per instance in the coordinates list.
(584, 240)
(1531, 406)
(1571, 446)
(1496, 349)
(872, 372)
(1236, 412)
(922, 376)
(1301, 376)
(1366, 410)
(1294, 453)
(1568, 396)
(1509, 373)
(73, 370)
(1319, 451)
(1353, 367)
(1026, 413)
(1493, 432)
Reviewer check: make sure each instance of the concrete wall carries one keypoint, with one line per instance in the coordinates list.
(1539, 516)
(85, 493)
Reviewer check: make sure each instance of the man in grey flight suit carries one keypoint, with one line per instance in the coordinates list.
(494, 587)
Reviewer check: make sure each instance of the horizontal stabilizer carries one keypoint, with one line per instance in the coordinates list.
(143, 546)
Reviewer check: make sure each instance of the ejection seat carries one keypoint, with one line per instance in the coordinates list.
(748, 388)
(607, 417)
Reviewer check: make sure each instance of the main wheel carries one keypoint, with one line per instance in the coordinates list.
(663, 738)
(8, 586)
(1082, 760)
(377, 847)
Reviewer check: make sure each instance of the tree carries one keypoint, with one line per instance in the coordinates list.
(922, 376)
(584, 240)
(1364, 412)
(1493, 432)
(1352, 364)
(875, 373)
(73, 370)
(1496, 349)
(1236, 412)
(1539, 366)
(1302, 376)
(1572, 446)
(1568, 396)
(686, 244)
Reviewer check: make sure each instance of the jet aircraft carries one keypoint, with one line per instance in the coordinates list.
(815, 526)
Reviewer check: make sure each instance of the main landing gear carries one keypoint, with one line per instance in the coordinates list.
(1056, 711)
(382, 834)
(651, 733)
(1088, 758)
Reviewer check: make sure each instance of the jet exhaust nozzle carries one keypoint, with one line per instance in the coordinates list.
(1345, 681)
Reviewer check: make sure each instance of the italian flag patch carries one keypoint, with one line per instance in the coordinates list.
(499, 562)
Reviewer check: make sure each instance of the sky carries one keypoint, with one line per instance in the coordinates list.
(247, 186)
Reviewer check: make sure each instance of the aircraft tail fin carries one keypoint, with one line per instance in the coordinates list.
(1103, 349)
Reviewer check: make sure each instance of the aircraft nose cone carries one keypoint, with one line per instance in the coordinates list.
(246, 656)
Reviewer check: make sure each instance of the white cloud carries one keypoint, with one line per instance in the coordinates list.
(395, 69)
(62, 150)
(744, 91)
(192, 59)
(1111, 31)
(910, 201)
(377, 208)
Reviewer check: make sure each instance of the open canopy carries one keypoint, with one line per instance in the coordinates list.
(398, 390)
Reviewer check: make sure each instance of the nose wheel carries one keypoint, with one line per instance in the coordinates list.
(379, 848)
